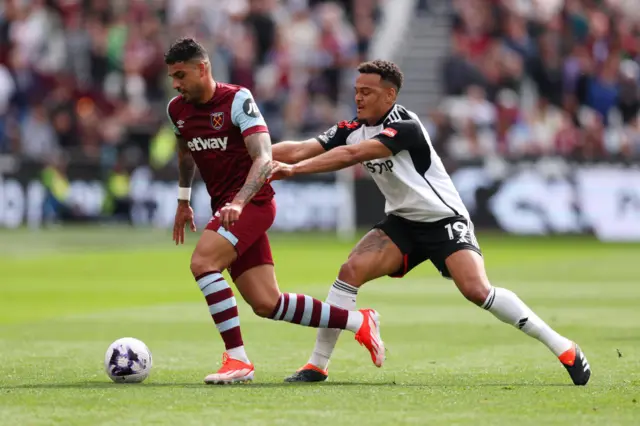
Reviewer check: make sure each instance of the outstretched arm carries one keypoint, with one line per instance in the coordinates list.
(342, 157)
(294, 152)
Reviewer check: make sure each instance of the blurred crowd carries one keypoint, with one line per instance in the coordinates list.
(86, 78)
(524, 78)
(528, 78)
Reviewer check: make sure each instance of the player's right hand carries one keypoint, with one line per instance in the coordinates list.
(184, 215)
(280, 171)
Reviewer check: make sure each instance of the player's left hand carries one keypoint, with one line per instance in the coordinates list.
(281, 171)
(230, 214)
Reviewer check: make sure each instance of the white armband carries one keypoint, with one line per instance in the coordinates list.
(184, 194)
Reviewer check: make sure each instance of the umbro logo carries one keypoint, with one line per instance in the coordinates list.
(180, 124)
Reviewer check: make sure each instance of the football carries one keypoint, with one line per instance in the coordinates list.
(128, 360)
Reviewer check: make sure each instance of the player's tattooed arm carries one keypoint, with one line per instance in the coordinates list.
(259, 147)
(186, 164)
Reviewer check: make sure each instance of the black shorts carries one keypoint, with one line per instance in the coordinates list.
(435, 241)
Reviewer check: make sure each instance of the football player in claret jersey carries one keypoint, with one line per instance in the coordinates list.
(220, 130)
(426, 219)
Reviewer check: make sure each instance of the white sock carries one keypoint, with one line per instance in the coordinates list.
(508, 307)
(343, 296)
(239, 354)
(354, 321)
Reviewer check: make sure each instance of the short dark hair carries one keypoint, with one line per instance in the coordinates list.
(387, 70)
(184, 50)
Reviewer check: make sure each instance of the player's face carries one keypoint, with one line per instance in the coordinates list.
(373, 98)
(187, 80)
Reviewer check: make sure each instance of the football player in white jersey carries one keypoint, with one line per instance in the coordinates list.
(426, 219)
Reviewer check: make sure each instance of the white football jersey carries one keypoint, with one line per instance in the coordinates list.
(413, 180)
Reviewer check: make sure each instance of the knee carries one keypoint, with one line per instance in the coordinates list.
(202, 264)
(353, 271)
(264, 307)
(475, 289)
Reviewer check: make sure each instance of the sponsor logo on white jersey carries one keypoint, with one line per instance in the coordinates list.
(379, 166)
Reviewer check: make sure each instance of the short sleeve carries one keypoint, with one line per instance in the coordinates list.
(400, 135)
(173, 124)
(337, 135)
(246, 115)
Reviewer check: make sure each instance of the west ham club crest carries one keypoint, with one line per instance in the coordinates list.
(217, 120)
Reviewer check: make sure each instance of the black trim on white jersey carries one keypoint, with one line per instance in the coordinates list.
(337, 135)
(386, 116)
(401, 136)
(395, 113)
(422, 163)
(400, 130)
(420, 153)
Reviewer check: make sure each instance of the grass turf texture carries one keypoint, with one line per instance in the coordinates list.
(65, 295)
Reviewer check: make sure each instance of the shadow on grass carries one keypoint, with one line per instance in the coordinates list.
(109, 385)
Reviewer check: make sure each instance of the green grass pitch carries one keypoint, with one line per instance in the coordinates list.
(65, 295)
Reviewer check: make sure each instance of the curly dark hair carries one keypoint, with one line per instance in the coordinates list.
(387, 70)
(184, 50)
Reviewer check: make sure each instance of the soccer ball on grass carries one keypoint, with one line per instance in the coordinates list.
(128, 360)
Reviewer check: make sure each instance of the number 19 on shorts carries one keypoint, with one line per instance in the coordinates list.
(460, 231)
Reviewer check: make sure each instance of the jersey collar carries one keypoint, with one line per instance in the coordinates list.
(213, 98)
(384, 117)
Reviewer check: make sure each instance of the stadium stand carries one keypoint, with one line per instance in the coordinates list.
(524, 80)
(87, 78)
(83, 84)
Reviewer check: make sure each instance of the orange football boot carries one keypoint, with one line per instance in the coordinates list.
(231, 371)
(369, 336)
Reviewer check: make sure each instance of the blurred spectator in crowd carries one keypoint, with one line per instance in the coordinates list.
(524, 78)
(561, 77)
(631, 144)
(58, 206)
(38, 139)
(87, 77)
(117, 202)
